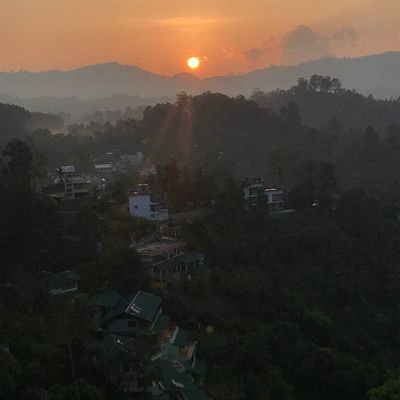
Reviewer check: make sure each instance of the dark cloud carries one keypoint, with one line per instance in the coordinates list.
(303, 44)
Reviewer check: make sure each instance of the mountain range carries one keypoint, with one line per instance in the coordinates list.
(378, 75)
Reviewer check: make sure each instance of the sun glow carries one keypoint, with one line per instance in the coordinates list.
(193, 62)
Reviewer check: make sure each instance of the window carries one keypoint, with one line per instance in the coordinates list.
(277, 197)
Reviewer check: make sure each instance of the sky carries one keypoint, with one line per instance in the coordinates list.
(229, 36)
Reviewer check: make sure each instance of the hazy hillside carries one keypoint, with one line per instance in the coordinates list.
(76, 109)
(378, 75)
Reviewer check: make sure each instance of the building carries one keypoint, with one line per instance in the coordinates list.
(165, 258)
(101, 304)
(106, 168)
(143, 205)
(130, 161)
(75, 186)
(177, 369)
(62, 283)
(276, 199)
(256, 192)
(148, 356)
(131, 314)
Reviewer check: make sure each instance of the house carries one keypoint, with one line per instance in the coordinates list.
(67, 184)
(172, 378)
(134, 313)
(75, 186)
(275, 199)
(120, 355)
(62, 283)
(256, 192)
(101, 304)
(106, 168)
(143, 205)
(166, 366)
(165, 258)
(176, 368)
(130, 161)
(252, 192)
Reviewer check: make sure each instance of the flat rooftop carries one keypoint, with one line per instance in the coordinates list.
(158, 245)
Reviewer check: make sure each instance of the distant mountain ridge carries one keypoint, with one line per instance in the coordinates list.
(378, 75)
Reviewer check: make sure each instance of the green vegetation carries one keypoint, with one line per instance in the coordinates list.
(296, 306)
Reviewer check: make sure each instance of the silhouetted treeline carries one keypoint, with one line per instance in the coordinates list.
(213, 130)
(325, 104)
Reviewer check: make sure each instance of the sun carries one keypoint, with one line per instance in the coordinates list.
(193, 62)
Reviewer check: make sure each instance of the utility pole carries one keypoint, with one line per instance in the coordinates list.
(71, 358)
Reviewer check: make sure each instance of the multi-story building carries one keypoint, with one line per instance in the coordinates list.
(256, 192)
(75, 186)
(106, 168)
(142, 204)
(165, 258)
(252, 192)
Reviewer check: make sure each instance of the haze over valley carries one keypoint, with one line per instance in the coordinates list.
(113, 86)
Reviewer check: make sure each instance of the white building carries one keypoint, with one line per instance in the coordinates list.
(252, 192)
(275, 198)
(141, 205)
(67, 169)
(131, 160)
(104, 168)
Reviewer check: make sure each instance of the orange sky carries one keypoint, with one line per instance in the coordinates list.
(159, 35)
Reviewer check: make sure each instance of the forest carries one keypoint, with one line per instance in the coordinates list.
(297, 306)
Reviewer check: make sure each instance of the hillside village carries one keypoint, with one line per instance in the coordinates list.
(149, 354)
(134, 274)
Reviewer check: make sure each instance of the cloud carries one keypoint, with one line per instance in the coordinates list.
(299, 45)
(303, 44)
(345, 35)
(269, 51)
(344, 41)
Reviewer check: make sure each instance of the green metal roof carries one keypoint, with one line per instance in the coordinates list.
(60, 278)
(160, 324)
(198, 368)
(180, 337)
(116, 347)
(108, 299)
(119, 309)
(175, 379)
(144, 305)
(171, 353)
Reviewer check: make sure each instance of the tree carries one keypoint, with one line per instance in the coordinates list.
(10, 377)
(291, 114)
(389, 390)
(316, 184)
(16, 173)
